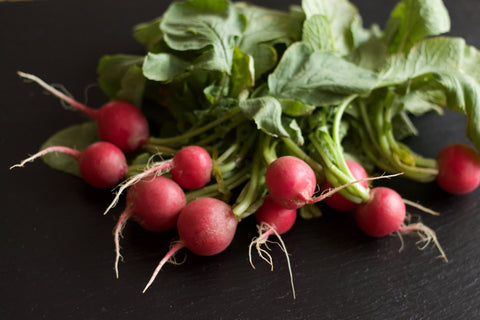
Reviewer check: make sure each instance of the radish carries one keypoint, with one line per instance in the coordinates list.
(290, 181)
(102, 164)
(191, 168)
(118, 122)
(385, 213)
(272, 218)
(339, 202)
(458, 169)
(382, 214)
(206, 226)
(155, 203)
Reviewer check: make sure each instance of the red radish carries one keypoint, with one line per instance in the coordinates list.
(118, 122)
(102, 165)
(339, 202)
(192, 167)
(155, 203)
(382, 214)
(206, 226)
(274, 219)
(458, 169)
(276, 216)
(290, 181)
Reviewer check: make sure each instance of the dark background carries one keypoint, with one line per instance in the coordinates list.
(56, 258)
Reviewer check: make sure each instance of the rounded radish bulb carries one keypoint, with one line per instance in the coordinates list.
(290, 181)
(382, 214)
(192, 167)
(458, 169)
(122, 124)
(154, 203)
(206, 226)
(337, 201)
(118, 122)
(276, 216)
(102, 165)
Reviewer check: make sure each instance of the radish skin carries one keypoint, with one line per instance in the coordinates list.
(206, 227)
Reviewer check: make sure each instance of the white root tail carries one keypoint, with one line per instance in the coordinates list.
(168, 257)
(264, 231)
(118, 233)
(427, 236)
(66, 150)
(329, 192)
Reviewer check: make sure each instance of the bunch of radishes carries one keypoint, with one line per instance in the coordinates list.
(244, 146)
(277, 186)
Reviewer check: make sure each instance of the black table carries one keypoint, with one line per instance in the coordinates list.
(57, 247)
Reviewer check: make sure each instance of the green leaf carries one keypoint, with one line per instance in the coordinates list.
(267, 114)
(111, 72)
(266, 28)
(317, 33)
(243, 73)
(196, 25)
(463, 95)
(163, 66)
(318, 78)
(148, 33)
(438, 54)
(413, 20)
(77, 137)
(132, 86)
(295, 108)
(341, 15)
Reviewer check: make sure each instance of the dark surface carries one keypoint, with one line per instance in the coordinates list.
(56, 258)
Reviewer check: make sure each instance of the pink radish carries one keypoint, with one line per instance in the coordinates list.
(385, 213)
(290, 181)
(206, 226)
(155, 203)
(458, 169)
(191, 168)
(272, 219)
(118, 122)
(102, 165)
(382, 214)
(337, 201)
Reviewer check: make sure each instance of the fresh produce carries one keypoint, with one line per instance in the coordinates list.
(251, 109)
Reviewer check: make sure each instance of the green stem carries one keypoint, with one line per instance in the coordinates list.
(193, 132)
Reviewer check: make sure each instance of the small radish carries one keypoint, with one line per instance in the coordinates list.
(290, 181)
(191, 168)
(272, 219)
(102, 164)
(337, 201)
(155, 203)
(206, 226)
(458, 169)
(118, 122)
(382, 214)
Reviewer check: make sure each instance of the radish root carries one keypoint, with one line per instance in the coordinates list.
(118, 233)
(168, 257)
(426, 234)
(66, 150)
(329, 192)
(420, 207)
(264, 231)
